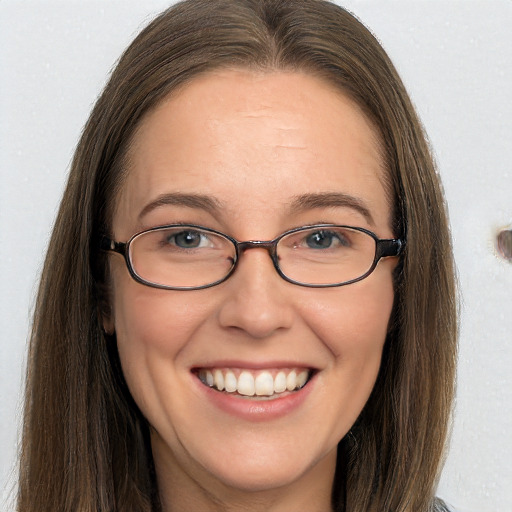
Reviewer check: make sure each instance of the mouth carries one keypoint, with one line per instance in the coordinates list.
(264, 384)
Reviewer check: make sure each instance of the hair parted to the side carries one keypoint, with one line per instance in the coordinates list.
(85, 444)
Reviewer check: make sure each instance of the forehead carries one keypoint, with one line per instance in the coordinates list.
(270, 136)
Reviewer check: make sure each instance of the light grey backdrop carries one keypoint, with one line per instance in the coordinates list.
(456, 60)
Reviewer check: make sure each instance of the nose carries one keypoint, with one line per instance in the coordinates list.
(257, 300)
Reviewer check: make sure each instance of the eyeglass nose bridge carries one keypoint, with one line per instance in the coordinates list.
(269, 245)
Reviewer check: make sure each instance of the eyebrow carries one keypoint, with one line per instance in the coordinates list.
(198, 201)
(298, 204)
(328, 200)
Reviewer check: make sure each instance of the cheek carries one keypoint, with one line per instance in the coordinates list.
(148, 318)
(352, 321)
(153, 328)
(353, 326)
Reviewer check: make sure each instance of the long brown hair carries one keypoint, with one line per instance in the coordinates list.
(85, 444)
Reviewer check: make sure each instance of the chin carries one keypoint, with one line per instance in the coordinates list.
(267, 468)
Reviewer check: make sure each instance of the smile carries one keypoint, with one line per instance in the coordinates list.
(263, 384)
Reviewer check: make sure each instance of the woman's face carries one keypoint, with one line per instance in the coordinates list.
(261, 153)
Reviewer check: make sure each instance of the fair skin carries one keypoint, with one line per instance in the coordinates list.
(252, 143)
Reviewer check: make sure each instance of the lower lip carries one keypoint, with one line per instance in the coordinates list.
(257, 410)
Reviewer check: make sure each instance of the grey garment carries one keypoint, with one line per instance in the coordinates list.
(441, 506)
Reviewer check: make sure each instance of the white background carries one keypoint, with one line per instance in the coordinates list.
(456, 60)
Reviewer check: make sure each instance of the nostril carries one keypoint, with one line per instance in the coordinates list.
(254, 302)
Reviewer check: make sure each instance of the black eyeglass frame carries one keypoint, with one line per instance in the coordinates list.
(384, 247)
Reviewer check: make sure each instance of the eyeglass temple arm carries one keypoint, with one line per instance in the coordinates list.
(107, 244)
(392, 247)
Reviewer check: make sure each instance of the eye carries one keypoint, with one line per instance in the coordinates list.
(188, 239)
(326, 240)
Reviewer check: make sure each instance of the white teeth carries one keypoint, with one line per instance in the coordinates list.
(302, 378)
(262, 384)
(203, 376)
(246, 384)
(230, 382)
(291, 381)
(218, 380)
(280, 382)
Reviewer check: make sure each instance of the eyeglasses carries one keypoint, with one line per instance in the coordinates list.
(189, 257)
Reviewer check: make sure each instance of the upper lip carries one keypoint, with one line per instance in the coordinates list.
(253, 365)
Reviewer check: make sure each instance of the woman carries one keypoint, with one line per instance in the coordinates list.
(174, 365)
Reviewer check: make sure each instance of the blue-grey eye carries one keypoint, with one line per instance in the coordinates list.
(326, 240)
(187, 239)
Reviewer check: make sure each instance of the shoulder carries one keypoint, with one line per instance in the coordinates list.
(441, 506)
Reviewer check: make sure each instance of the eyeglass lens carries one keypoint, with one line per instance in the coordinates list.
(187, 256)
